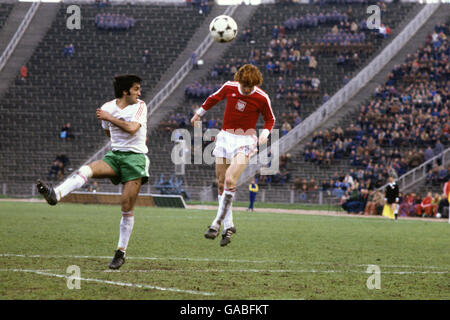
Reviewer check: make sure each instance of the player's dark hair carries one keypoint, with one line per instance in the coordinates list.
(124, 83)
(249, 76)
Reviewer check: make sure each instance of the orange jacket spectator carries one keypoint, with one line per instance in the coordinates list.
(23, 72)
(425, 205)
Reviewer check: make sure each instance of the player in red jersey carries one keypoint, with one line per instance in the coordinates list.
(237, 141)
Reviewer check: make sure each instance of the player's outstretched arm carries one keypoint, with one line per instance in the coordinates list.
(128, 126)
(195, 119)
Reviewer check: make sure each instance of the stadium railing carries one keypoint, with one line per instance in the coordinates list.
(18, 34)
(268, 195)
(173, 83)
(332, 106)
(419, 173)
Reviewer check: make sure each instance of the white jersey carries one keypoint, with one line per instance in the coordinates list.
(121, 140)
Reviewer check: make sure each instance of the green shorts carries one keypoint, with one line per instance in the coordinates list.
(128, 166)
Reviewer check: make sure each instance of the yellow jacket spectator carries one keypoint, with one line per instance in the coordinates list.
(253, 189)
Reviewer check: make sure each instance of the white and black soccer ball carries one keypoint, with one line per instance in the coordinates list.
(223, 28)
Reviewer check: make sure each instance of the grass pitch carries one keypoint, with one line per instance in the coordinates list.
(272, 256)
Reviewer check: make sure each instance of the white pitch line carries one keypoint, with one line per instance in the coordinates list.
(233, 270)
(280, 271)
(209, 260)
(123, 284)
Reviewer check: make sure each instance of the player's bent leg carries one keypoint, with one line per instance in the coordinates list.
(76, 181)
(101, 169)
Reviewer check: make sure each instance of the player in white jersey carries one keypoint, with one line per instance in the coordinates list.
(124, 120)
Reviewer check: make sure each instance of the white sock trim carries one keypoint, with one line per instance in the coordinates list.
(86, 171)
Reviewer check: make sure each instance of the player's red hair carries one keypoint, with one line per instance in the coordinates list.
(249, 76)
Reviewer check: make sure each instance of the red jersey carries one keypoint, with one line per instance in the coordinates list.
(242, 111)
(447, 189)
(427, 201)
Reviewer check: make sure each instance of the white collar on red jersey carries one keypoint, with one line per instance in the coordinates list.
(239, 89)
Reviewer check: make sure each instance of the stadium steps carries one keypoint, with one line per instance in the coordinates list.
(37, 29)
(11, 15)
(196, 39)
(60, 89)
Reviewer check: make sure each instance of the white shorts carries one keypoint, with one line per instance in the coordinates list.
(228, 145)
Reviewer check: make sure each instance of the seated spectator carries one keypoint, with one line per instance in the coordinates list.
(353, 203)
(66, 132)
(54, 170)
(63, 159)
(303, 196)
(146, 56)
(338, 192)
(285, 128)
(69, 50)
(426, 206)
(442, 175)
(312, 63)
(407, 205)
(23, 74)
(375, 203)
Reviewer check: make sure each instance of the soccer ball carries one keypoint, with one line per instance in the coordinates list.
(223, 28)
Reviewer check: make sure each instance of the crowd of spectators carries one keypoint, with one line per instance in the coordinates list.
(282, 176)
(229, 69)
(66, 132)
(403, 125)
(410, 111)
(437, 175)
(342, 38)
(114, 21)
(101, 3)
(197, 90)
(324, 2)
(299, 88)
(371, 202)
(313, 20)
(176, 121)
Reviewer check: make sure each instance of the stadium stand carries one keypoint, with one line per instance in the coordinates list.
(370, 147)
(5, 10)
(68, 88)
(258, 39)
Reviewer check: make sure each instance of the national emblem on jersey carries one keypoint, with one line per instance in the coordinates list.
(241, 105)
